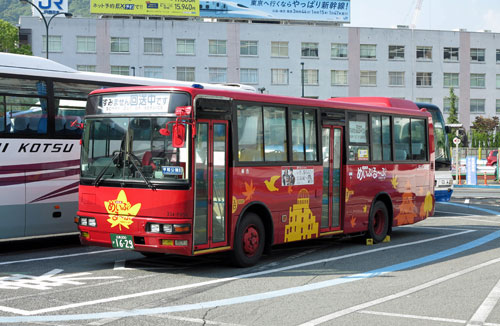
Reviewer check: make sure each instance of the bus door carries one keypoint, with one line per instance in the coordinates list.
(211, 176)
(332, 179)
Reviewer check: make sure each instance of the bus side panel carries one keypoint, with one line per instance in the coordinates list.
(46, 215)
(295, 203)
(13, 215)
(407, 185)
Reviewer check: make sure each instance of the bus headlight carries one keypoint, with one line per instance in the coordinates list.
(168, 228)
(88, 221)
(154, 228)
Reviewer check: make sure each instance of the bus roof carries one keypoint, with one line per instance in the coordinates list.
(388, 102)
(25, 65)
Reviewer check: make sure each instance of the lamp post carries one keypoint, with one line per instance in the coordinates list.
(302, 77)
(47, 23)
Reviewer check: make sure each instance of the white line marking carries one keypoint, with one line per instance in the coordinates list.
(445, 212)
(388, 314)
(198, 320)
(469, 219)
(391, 297)
(222, 280)
(486, 307)
(56, 257)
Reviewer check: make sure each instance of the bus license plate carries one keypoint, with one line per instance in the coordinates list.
(122, 241)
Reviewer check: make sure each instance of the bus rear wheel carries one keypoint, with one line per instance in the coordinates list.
(249, 241)
(378, 222)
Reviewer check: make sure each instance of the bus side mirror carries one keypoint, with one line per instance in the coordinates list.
(178, 135)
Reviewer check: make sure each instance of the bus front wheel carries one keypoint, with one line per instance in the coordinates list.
(249, 241)
(378, 222)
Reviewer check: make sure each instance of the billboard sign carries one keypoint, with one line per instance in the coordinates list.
(49, 7)
(298, 10)
(178, 8)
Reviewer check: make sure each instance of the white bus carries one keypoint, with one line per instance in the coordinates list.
(42, 104)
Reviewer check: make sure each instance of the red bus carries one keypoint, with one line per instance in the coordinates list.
(191, 171)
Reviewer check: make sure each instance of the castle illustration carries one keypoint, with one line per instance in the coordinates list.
(302, 223)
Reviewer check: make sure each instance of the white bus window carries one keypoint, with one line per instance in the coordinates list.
(70, 101)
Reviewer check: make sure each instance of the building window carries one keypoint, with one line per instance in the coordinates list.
(311, 77)
(477, 80)
(450, 79)
(89, 68)
(279, 76)
(185, 46)
(279, 49)
(396, 78)
(85, 44)
(153, 45)
(120, 45)
(446, 104)
(55, 43)
(450, 54)
(309, 49)
(477, 55)
(497, 107)
(498, 56)
(248, 47)
(217, 47)
(368, 51)
(498, 81)
(368, 78)
(217, 75)
(423, 100)
(396, 52)
(185, 73)
(153, 72)
(249, 76)
(424, 53)
(339, 77)
(424, 78)
(339, 50)
(120, 70)
(477, 105)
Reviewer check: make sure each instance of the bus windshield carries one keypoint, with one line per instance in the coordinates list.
(440, 138)
(131, 149)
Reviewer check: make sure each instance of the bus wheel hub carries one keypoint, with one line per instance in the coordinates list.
(250, 240)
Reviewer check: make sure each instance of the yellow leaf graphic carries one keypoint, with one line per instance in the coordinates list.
(249, 191)
(394, 182)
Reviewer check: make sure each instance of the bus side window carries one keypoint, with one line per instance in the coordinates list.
(250, 134)
(402, 139)
(304, 135)
(418, 139)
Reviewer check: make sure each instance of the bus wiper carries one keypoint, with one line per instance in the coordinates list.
(150, 185)
(101, 174)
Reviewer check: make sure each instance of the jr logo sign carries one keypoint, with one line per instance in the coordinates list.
(47, 4)
(50, 7)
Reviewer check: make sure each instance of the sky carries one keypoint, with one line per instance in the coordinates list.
(473, 15)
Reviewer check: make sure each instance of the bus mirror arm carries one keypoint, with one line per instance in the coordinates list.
(184, 118)
(79, 125)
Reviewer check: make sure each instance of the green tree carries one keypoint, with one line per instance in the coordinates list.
(484, 130)
(9, 39)
(453, 114)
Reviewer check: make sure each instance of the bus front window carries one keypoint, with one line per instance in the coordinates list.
(131, 149)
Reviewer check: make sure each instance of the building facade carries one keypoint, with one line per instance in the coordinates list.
(314, 60)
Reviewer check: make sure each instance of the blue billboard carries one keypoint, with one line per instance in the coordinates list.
(302, 10)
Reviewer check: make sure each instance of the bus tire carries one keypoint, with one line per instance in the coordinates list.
(249, 241)
(378, 222)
